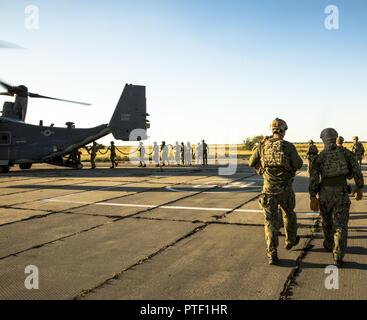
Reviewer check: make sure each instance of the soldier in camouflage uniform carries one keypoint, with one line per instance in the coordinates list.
(329, 174)
(311, 154)
(358, 150)
(113, 156)
(340, 141)
(277, 160)
(93, 154)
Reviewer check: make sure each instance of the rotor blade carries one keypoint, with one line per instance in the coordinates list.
(6, 85)
(6, 94)
(35, 95)
(9, 45)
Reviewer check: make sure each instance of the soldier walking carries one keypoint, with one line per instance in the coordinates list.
(311, 154)
(328, 179)
(182, 153)
(358, 150)
(112, 148)
(141, 151)
(278, 161)
(93, 153)
(204, 148)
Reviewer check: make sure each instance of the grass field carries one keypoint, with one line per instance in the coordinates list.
(130, 152)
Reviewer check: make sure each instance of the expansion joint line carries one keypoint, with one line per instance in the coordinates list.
(52, 241)
(292, 277)
(118, 275)
(53, 212)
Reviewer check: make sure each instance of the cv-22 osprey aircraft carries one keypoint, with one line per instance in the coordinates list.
(24, 144)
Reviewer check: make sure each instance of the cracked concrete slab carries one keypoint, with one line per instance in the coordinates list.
(304, 220)
(222, 180)
(76, 196)
(23, 235)
(19, 186)
(351, 277)
(254, 214)
(155, 198)
(81, 262)
(52, 190)
(178, 214)
(223, 259)
(219, 262)
(213, 199)
(193, 208)
(9, 215)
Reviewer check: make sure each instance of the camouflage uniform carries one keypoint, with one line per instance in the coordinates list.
(113, 155)
(358, 150)
(204, 147)
(94, 149)
(329, 174)
(277, 160)
(311, 154)
(340, 141)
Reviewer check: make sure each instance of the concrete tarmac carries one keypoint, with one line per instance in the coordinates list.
(170, 233)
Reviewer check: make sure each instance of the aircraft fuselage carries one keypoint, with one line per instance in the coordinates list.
(25, 143)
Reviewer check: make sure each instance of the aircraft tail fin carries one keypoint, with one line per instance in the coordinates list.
(129, 121)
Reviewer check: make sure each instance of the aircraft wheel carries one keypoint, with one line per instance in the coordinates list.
(4, 169)
(25, 166)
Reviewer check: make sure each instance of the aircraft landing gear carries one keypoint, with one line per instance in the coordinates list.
(25, 166)
(4, 169)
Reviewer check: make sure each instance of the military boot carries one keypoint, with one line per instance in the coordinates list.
(328, 245)
(273, 259)
(289, 246)
(338, 260)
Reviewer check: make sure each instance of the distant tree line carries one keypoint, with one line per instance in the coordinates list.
(250, 142)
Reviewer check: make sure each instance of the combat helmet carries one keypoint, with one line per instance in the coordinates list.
(310, 142)
(329, 135)
(340, 140)
(279, 126)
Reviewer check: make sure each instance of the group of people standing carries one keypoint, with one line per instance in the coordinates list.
(95, 148)
(357, 150)
(277, 160)
(182, 154)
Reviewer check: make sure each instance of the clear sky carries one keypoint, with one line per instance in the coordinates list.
(214, 69)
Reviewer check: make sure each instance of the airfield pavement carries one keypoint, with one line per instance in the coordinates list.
(175, 233)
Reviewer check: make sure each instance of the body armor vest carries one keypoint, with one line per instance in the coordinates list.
(357, 148)
(273, 155)
(334, 163)
(312, 151)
